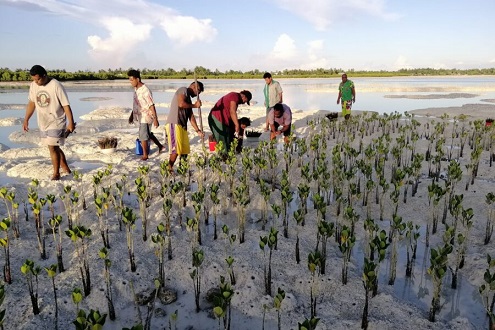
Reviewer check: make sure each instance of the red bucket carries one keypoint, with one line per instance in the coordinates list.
(213, 144)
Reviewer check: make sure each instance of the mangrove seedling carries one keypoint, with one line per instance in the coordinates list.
(271, 241)
(31, 272)
(412, 236)
(314, 263)
(437, 270)
(12, 208)
(103, 254)
(241, 196)
(308, 324)
(346, 243)
(490, 201)
(54, 223)
(299, 216)
(198, 257)
(326, 230)
(52, 272)
(487, 291)
(93, 320)
(167, 206)
(286, 194)
(277, 304)
(79, 235)
(129, 219)
(101, 203)
(5, 243)
(221, 303)
(142, 193)
(214, 193)
(397, 228)
(369, 280)
(159, 239)
(230, 264)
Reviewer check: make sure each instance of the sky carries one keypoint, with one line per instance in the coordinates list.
(268, 35)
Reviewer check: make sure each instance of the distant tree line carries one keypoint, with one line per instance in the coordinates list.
(203, 73)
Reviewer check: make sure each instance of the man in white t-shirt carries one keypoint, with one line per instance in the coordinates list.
(55, 119)
(144, 112)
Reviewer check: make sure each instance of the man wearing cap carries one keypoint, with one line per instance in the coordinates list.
(223, 120)
(180, 113)
(55, 119)
(273, 94)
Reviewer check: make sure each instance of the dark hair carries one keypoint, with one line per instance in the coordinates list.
(245, 121)
(267, 75)
(248, 95)
(134, 73)
(37, 70)
(278, 107)
(200, 85)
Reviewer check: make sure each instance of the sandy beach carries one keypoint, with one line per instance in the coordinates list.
(404, 305)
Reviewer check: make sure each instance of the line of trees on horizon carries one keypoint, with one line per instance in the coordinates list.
(203, 73)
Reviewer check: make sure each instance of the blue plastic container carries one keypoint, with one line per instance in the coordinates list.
(139, 147)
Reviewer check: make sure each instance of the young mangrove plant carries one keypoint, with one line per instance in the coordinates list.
(142, 193)
(271, 241)
(167, 207)
(12, 208)
(93, 320)
(490, 201)
(5, 243)
(197, 260)
(129, 219)
(299, 216)
(308, 324)
(286, 194)
(265, 193)
(119, 198)
(487, 291)
(37, 208)
(79, 235)
(214, 196)
(103, 254)
(412, 236)
(369, 280)
(101, 203)
(437, 270)
(314, 263)
(54, 223)
(230, 264)
(326, 230)
(277, 304)
(397, 228)
(159, 239)
(31, 272)
(346, 243)
(52, 272)
(241, 197)
(221, 303)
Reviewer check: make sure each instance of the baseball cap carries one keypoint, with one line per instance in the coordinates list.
(248, 95)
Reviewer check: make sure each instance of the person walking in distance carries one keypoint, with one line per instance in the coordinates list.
(143, 112)
(347, 96)
(55, 119)
(273, 94)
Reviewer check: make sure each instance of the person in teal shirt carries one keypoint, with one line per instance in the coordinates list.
(273, 94)
(347, 96)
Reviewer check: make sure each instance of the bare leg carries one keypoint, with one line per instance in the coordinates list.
(55, 157)
(156, 141)
(144, 145)
(171, 161)
(63, 162)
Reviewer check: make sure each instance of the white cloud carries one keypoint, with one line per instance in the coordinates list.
(284, 49)
(322, 13)
(124, 35)
(186, 29)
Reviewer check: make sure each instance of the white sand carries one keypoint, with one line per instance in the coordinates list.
(338, 306)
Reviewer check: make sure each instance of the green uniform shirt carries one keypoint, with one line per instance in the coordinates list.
(346, 90)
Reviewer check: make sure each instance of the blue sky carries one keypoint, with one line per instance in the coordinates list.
(268, 35)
